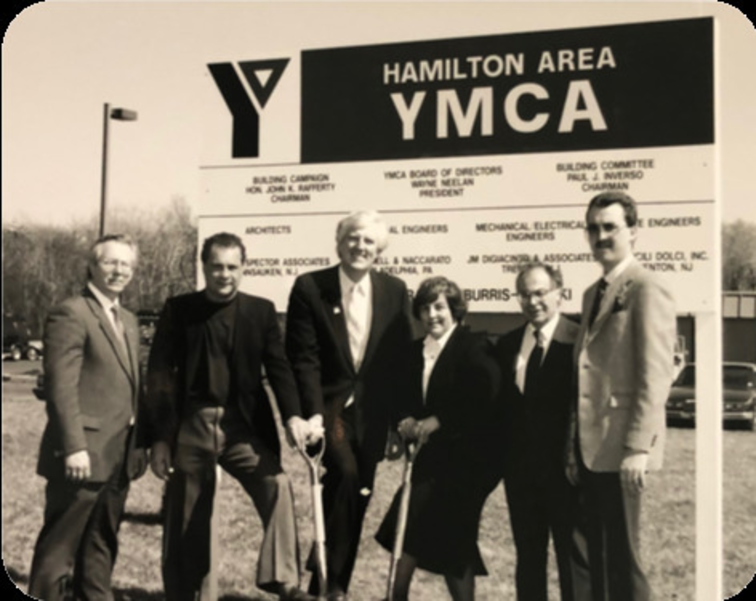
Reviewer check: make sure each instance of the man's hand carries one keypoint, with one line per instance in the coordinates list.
(426, 427)
(297, 431)
(160, 460)
(633, 471)
(77, 466)
(317, 431)
(407, 428)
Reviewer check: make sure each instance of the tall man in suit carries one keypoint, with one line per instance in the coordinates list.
(624, 362)
(88, 451)
(536, 365)
(208, 407)
(347, 333)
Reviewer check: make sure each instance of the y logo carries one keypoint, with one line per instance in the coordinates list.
(246, 119)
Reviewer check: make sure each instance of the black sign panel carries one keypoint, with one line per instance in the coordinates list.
(619, 86)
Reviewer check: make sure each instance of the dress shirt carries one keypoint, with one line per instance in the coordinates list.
(106, 304)
(357, 301)
(358, 313)
(527, 346)
(432, 349)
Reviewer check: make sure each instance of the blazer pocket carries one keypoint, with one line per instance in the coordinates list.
(91, 422)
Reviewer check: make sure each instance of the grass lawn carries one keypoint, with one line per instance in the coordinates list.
(668, 537)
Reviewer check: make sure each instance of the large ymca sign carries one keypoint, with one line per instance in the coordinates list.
(481, 151)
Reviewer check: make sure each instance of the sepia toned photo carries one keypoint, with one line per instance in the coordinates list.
(379, 300)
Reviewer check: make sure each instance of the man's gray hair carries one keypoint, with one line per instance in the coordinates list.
(95, 252)
(360, 219)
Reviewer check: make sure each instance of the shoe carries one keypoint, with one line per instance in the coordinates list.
(293, 593)
(337, 595)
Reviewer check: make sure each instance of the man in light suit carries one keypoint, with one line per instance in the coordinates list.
(537, 369)
(624, 362)
(208, 407)
(347, 333)
(88, 452)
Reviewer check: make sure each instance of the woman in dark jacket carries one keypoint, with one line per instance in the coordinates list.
(453, 381)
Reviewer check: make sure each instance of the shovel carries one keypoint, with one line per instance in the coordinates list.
(313, 455)
(410, 452)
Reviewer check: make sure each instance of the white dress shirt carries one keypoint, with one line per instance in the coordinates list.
(357, 301)
(106, 304)
(432, 348)
(527, 346)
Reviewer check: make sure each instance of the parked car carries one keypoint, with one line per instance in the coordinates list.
(15, 338)
(738, 388)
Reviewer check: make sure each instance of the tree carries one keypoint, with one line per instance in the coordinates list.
(43, 265)
(739, 256)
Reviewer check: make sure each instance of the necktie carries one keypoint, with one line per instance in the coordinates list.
(119, 330)
(355, 313)
(597, 301)
(533, 368)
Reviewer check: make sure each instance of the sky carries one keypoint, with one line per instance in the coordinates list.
(61, 61)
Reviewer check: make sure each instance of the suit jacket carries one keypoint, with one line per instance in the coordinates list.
(462, 395)
(625, 369)
(536, 426)
(92, 387)
(175, 358)
(317, 344)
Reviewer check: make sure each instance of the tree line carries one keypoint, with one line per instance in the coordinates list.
(43, 265)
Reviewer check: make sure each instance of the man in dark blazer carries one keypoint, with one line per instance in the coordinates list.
(537, 366)
(208, 407)
(347, 334)
(624, 364)
(88, 452)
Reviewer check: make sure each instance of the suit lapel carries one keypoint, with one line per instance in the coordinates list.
(331, 297)
(107, 328)
(379, 320)
(607, 303)
(444, 365)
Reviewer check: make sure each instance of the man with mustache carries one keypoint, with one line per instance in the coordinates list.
(347, 334)
(624, 361)
(88, 452)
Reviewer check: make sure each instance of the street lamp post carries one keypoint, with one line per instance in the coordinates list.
(119, 114)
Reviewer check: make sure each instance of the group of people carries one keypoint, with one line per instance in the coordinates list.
(570, 415)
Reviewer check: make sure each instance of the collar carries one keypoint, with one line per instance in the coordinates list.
(429, 342)
(547, 330)
(104, 301)
(618, 269)
(346, 283)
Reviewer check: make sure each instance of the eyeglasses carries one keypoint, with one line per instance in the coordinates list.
(611, 229)
(538, 295)
(113, 263)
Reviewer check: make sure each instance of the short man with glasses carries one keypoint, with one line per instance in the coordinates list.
(624, 367)
(536, 392)
(89, 450)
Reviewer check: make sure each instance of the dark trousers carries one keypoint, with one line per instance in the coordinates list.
(539, 506)
(206, 440)
(79, 536)
(612, 533)
(347, 490)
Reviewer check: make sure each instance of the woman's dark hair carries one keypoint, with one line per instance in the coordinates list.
(429, 291)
